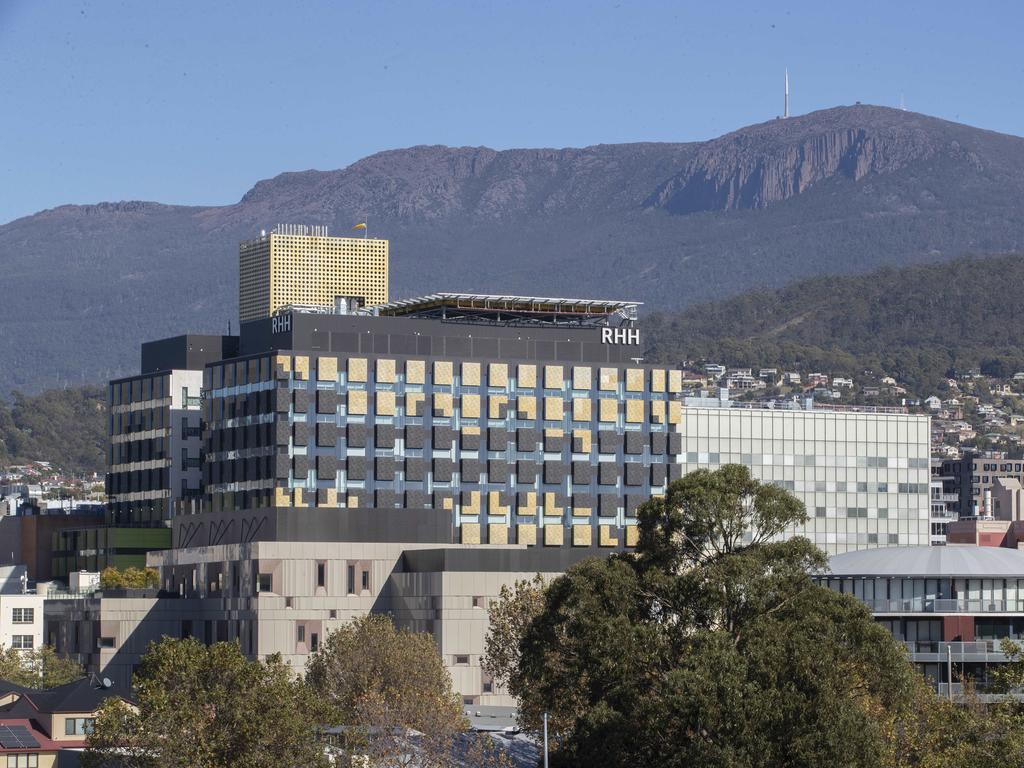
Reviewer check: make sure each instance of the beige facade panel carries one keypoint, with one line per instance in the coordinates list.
(526, 533)
(302, 367)
(554, 536)
(414, 403)
(357, 402)
(582, 536)
(297, 498)
(634, 411)
(606, 537)
(327, 369)
(470, 533)
(443, 373)
(415, 372)
(357, 369)
(471, 374)
(551, 508)
(332, 498)
(352, 502)
(448, 503)
(468, 429)
(497, 375)
(386, 371)
(634, 380)
(494, 406)
(657, 411)
(281, 497)
(608, 410)
(531, 505)
(581, 512)
(473, 507)
(657, 380)
(581, 410)
(497, 533)
(283, 363)
(494, 505)
(582, 377)
(554, 409)
(675, 381)
(608, 380)
(584, 436)
(443, 404)
(526, 407)
(675, 412)
(471, 406)
(632, 535)
(526, 375)
(385, 403)
(553, 377)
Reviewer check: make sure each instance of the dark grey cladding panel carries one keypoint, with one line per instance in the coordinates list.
(466, 498)
(658, 474)
(415, 436)
(497, 439)
(607, 473)
(416, 468)
(385, 436)
(635, 473)
(326, 401)
(356, 435)
(577, 445)
(487, 348)
(497, 560)
(675, 443)
(364, 498)
(443, 438)
(659, 443)
(326, 435)
(267, 400)
(300, 433)
(584, 501)
(384, 468)
(344, 342)
(634, 500)
(326, 467)
(514, 349)
(389, 499)
(252, 402)
(608, 504)
(417, 499)
(568, 352)
(300, 465)
(443, 469)
(497, 471)
(527, 439)
(321, 496)
(675, 471)
(554, 472)
(545, 350)
(252, 468)
(635, 443)
(470, 470)
(282, 431)
(526, 471)
(608, 441)
(439, 499)
(301, 399)
(469, 442)
(582, 472)
(523, 499)
(217, 408)
(282, 401)
(554, 443)
(356, 467)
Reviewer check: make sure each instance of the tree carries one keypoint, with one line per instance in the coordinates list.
(203, 706)
(385, 684)
(129, 578)
(712, 645)
(40, 668)
(508, 618)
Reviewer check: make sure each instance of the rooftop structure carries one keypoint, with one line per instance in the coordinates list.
(513, 310)
(931, 562)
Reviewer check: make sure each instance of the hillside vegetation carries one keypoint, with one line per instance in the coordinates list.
(67, 427)
(916, 324)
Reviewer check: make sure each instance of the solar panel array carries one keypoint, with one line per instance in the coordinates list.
(16, 737)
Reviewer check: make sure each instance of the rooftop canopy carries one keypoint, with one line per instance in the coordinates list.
(512, 310)
(954, 560)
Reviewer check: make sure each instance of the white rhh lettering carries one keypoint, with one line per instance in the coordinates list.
(280, 323)
(620, 335)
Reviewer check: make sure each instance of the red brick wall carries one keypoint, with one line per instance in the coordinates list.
(958, 628)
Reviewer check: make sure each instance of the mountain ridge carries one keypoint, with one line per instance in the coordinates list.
(670, 224)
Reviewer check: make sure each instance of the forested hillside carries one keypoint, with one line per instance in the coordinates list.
(915, 324)
(67, 427)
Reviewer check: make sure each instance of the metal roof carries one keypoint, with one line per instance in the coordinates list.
(966, 560)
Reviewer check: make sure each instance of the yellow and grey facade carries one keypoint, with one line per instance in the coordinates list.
(295, 265)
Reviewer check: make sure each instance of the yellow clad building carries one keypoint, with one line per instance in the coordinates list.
(302, 266)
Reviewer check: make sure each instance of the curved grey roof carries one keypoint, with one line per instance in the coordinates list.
(934, 562)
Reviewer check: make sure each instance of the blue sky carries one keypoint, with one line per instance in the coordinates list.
(192, 102)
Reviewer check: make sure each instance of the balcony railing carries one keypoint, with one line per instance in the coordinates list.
(933, 605)
(991, 650)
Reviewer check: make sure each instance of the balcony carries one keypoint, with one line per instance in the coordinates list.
(936, 605)
(193, 402)
(971, 651)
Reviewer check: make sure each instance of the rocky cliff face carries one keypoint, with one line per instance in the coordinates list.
(772, 162)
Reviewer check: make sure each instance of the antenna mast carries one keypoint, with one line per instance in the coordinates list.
(785, 103)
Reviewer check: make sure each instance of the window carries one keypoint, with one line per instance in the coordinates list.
(351, 579)
(79, 726)
(106, 642)
(366, 580)
(478, 601)
(462, 659)
(264, 583)
(29, 760)
(300, 633)
(321, 574)
(314, 641)
(23, 615)
(22, 642)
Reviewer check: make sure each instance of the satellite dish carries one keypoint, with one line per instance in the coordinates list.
(107, 683)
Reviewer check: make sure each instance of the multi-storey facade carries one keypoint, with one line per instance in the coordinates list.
(863, 476)
(302, 266)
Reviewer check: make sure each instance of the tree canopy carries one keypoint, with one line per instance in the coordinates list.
(39, 668)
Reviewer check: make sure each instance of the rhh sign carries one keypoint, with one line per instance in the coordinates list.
(620, 335)
(281, 323)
